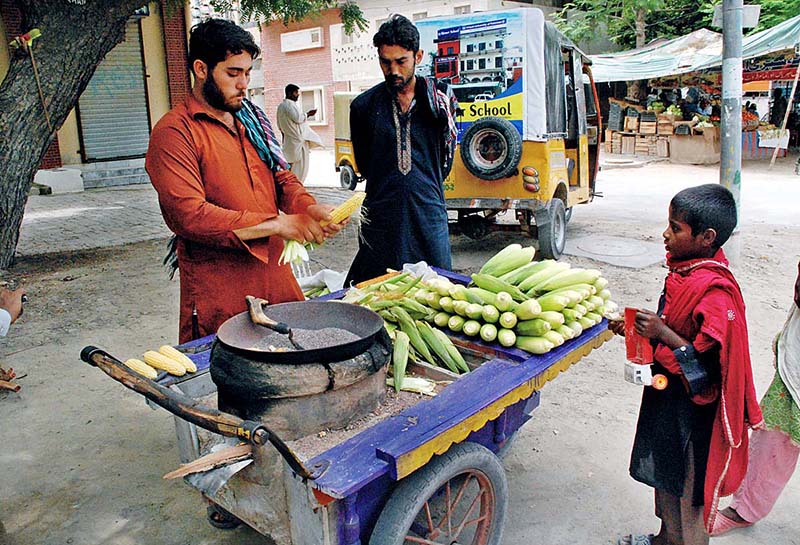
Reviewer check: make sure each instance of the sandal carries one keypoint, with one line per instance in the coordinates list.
(636, 539)
(220, 518)
(724, 524)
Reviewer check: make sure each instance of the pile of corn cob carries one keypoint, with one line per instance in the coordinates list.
(296, 252)
(167, 359)
(534, 306)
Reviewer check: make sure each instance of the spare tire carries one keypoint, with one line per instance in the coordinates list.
(491, 148)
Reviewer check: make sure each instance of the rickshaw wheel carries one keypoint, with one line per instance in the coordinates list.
(553, 234)
(347, 177)
(459, 498)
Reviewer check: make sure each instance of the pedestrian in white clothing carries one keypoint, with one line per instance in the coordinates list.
(294, 126)
(10, 308)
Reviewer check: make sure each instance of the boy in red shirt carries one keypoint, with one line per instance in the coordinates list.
(691, 438)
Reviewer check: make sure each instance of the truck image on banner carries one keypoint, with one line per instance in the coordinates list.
(527, 123)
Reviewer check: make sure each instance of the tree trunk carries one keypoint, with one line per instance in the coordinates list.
(75, 38)
(638, 90)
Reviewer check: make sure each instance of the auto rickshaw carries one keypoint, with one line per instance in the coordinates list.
(527, 133)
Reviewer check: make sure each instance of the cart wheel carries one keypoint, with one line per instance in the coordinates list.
(459, 497)
(347, 177)
(553, 234)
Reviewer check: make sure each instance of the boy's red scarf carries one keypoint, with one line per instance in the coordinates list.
(686, 284)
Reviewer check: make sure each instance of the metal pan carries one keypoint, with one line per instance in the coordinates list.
(241, 335)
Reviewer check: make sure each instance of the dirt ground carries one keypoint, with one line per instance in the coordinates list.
(81, 457)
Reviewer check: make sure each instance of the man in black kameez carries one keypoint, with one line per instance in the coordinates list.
(403, 135)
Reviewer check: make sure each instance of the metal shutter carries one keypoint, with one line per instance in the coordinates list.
(113, 108)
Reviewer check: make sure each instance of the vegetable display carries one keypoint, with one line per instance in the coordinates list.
(512, 301)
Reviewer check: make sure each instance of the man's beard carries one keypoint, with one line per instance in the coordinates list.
(213, 95)
(396, 84)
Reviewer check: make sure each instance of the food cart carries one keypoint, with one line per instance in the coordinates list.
(429, 472)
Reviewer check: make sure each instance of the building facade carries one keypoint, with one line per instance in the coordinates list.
(320, 58)
(133, 87)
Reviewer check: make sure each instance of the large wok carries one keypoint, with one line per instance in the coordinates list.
(241, 335)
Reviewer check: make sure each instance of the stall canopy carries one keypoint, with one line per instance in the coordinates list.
(700, 50)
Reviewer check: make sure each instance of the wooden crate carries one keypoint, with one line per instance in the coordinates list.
(662, 146)
(628, 145)
(665, 127)
(631, 124)
(647, 127)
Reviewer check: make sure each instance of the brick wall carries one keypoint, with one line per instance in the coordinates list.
(12, 20)
(174, 24)
(306, 68)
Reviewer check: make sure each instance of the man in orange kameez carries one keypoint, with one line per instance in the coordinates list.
(222, 194)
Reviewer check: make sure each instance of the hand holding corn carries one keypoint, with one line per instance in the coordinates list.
(329, 221)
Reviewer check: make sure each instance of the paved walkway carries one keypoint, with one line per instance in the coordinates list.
(103, 218)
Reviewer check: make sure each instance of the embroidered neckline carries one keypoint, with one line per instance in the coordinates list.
(402, 127)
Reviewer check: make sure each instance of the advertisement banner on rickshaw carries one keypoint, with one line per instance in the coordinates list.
(484, 58)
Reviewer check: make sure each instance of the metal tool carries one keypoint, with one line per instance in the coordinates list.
(258, 316)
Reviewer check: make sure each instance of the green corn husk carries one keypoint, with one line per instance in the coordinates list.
(516, 276)
(490, 314)
(455, 355)
(543, 274)
(407, 325)
(436, 346)
(565, 331)
(555, 318)
(506, 338)
(496, 285)
(400, 358)
(504, 302)
(533, 328)
(508, 320)
(471, 328)
(566, 278)
(456, 323)
(554, 337)
(441, 319)
(534, 345)
(488, 332)
(506, 260)
(528, 310)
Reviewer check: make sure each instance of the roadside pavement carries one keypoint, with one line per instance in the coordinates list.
(102, 218)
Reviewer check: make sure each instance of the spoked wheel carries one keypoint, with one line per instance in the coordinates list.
(459, 498)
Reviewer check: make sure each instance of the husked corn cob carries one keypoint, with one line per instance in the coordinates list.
(178, 356)
(142, 368)
(346, 209)
(160, 361)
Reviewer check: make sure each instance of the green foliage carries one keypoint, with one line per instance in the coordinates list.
(774, 12)
(286, 11)
(663, 19)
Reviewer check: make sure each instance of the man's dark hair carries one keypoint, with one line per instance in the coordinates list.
(290, 89)
(397, 30)
(708, 206)
(214, 39)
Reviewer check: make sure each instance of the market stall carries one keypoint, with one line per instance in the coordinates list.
(685, 73)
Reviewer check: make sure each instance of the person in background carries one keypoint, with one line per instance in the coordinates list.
(294, 126)
(404, 137)
(225, 189)
(774, 449)
(691, 437)
(10, 308)
(778, 110)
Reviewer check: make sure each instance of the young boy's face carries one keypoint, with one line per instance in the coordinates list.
(680, 242)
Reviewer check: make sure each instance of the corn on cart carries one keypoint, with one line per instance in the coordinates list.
(431, 473)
